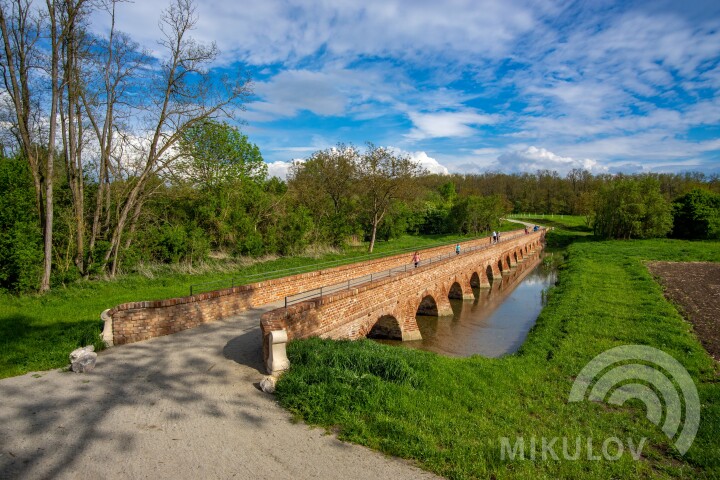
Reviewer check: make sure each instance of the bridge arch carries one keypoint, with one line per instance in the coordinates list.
(455, 291)
(428, 306)
(489, 274)
(387, 326)
(475, 280)
(507, 261)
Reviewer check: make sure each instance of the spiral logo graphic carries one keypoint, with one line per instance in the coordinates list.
(651, 376)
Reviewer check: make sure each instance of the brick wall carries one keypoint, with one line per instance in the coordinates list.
(352, 313)
(132, 322)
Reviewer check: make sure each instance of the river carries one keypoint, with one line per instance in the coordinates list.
(496, 322)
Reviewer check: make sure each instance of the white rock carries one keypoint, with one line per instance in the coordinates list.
(82, 360)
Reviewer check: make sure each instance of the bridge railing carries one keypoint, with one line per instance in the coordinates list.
(372, 277)
(274, 274)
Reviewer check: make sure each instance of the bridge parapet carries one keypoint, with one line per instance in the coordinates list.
(353, 313)
(136, 321)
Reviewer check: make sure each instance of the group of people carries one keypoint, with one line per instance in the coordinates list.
(495, 239)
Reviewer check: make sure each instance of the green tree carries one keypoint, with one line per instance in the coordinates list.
(696, 215)
(475, 214)
(225, 174)
(324, 183)
(632, 208)
(384, 177)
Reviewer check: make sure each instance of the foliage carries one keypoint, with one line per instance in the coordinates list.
(20, 238)
(632, 208)
(696, 215)
(475, 214)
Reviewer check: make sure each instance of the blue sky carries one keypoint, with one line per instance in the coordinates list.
(471, 86)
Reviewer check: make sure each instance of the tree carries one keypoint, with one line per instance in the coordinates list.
(475, 214)
(22, 27)
(325, 183)
(696, 215)
(183, 95)
(227, 172)
(632, 208)
(383, 177)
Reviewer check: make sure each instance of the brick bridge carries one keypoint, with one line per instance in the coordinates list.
(384, 307)
(387, 307)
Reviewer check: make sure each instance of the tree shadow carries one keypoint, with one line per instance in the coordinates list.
(49, 420)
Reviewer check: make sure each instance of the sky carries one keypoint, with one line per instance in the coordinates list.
(471, 86)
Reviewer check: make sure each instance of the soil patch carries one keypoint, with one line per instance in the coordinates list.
(695, 286)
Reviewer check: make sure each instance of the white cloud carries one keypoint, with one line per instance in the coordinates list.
(533, 158)
(280, 169)
(268, 32)
(447, 124)
(428, 163)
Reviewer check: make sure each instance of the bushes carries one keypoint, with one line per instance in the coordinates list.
(696, 215)
(20, 236)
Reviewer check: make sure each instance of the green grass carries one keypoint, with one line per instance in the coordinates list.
(37, 332)
(449, 414)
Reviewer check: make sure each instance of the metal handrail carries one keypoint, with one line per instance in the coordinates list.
(273, 274)
(338, 287)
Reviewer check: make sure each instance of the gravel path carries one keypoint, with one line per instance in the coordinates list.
(180, 406)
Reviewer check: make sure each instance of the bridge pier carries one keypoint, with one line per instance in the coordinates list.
(443, 307)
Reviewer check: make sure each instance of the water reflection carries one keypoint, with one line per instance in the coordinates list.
(496, 323)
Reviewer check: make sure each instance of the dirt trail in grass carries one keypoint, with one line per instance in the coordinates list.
(695, 286)
(180, 406)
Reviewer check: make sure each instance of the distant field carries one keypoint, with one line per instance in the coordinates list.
(38, 332)
(449, 414)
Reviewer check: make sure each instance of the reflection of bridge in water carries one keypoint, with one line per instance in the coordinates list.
(495, 323)
(388, 307)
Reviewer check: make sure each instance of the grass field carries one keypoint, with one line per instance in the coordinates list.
(38, 332)
(450, 415)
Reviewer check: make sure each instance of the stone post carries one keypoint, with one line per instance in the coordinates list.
(277, 361)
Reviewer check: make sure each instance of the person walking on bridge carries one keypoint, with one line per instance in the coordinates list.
(457, 249)
(416, 259)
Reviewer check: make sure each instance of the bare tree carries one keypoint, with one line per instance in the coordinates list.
(22, 29)
(111, 77)
(182, 95)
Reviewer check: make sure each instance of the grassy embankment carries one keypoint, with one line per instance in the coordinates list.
(38, 332)
(449, 415)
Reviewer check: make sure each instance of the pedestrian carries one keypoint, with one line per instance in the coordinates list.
(416, 259)
(457, 249)
(494, 236)
(526, 230)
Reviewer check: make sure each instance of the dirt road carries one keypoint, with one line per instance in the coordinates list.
(180, 406)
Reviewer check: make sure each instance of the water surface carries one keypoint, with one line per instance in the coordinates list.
(496, 322)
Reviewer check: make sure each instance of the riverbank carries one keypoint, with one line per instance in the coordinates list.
(451, 415)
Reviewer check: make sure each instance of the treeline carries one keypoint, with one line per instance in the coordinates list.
(111, 157)
(217, 198)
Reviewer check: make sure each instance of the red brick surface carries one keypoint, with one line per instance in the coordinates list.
(137, 321)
